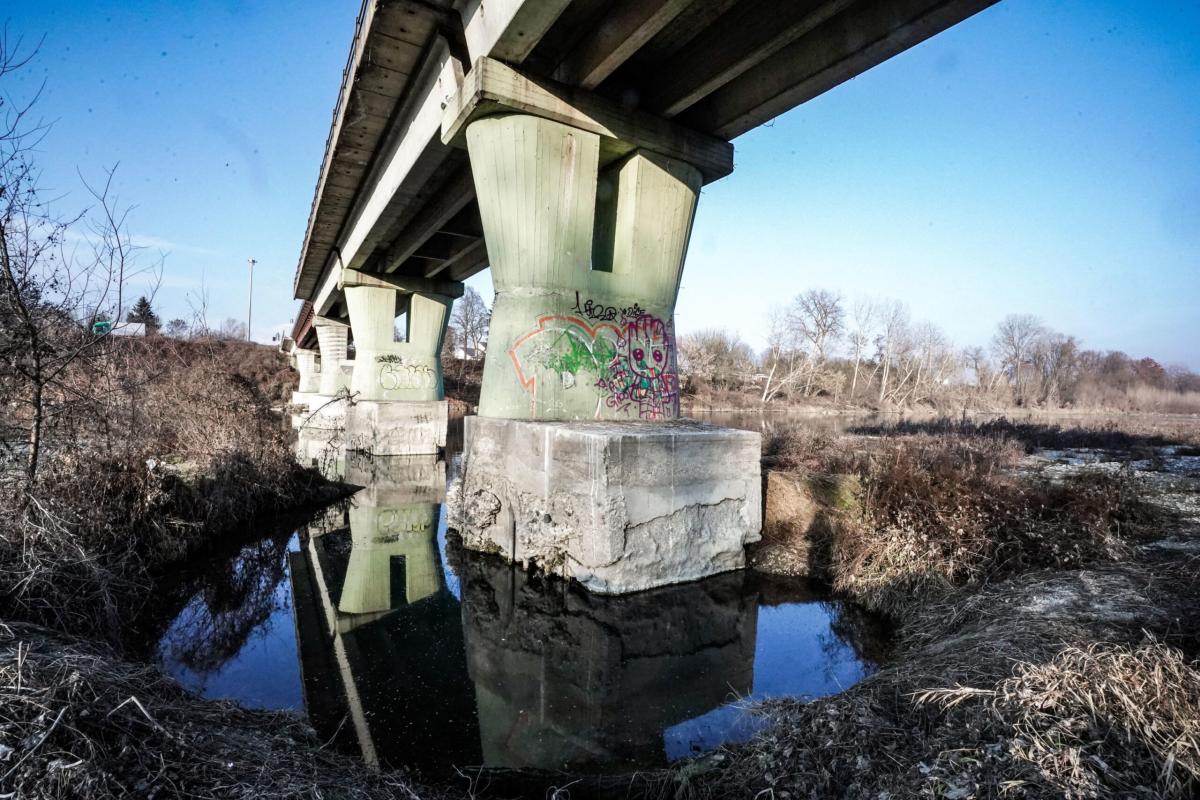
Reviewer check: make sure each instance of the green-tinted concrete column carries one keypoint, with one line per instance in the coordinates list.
(586, 265)
(332, 338)
(306, 365)
(388, 543)
(385, 369)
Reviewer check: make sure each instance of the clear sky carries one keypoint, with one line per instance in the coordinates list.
(1041, 157)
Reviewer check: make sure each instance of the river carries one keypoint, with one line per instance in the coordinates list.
(405, 650)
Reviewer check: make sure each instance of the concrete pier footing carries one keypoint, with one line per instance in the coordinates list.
(397, 428)
(620, 507)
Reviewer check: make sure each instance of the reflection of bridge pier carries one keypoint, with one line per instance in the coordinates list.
(380, 635)
(568, 680)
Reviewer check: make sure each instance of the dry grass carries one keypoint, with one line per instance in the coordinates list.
(1129, 437)
(1108, 719)
(75, 722)
(941, 511)
(1044, 686)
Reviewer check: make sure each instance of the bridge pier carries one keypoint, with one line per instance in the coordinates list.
(578, 461)
(307, 363)
(398, 405)
(327, 407)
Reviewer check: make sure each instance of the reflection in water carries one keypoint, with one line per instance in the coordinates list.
(568, 680)
(411, 658)
(380, 633)
(232, 625)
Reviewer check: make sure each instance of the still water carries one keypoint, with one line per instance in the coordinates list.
(404, 649)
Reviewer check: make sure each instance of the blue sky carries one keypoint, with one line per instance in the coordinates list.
(1042, 157)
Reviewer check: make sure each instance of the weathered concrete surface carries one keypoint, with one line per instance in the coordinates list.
(396, 479)
(620, 507)
(303, 399)
(397, 428)
(569, 680)
(323, 449)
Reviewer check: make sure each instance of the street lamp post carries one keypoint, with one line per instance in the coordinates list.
(250, 303)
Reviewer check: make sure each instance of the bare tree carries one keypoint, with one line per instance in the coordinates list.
(57, 275)
(784, 363)
(893, 330)
(863, 316)
(232, 329)
(818, 319)
(715, 358)
(470, 318)
(1016, 337)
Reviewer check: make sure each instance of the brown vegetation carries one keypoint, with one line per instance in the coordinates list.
(1044, 639)
(935, 512)
(77, 722)
(184, 445)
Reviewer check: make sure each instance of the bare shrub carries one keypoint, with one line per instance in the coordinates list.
(937, 512)
(173, 444)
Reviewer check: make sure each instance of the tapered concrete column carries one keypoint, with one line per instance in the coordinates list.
(332, 337)
(586, 266)
(306, 365)
(577, 461)
(385, 369)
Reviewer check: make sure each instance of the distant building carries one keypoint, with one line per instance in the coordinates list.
(468, 353)
(129, 329)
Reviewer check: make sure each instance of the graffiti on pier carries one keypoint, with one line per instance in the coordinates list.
(628, 360)
(642, 373)
(599, 312)
(396, 373)
(394, 522)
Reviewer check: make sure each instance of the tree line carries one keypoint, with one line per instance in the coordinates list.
(872, 353)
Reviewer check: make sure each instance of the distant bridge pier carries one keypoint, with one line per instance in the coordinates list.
(307, 364)
(398, 405)
(327, 408)
(578, 460)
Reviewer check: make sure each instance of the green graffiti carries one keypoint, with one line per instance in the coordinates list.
(574, 353)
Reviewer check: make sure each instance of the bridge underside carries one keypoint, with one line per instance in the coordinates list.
(393, 199)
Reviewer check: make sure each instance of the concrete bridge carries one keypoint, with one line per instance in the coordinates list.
(564, 144)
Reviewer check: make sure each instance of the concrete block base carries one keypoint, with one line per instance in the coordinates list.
(618, 506)
(303, 399)
(324, 412)
(397, 428)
